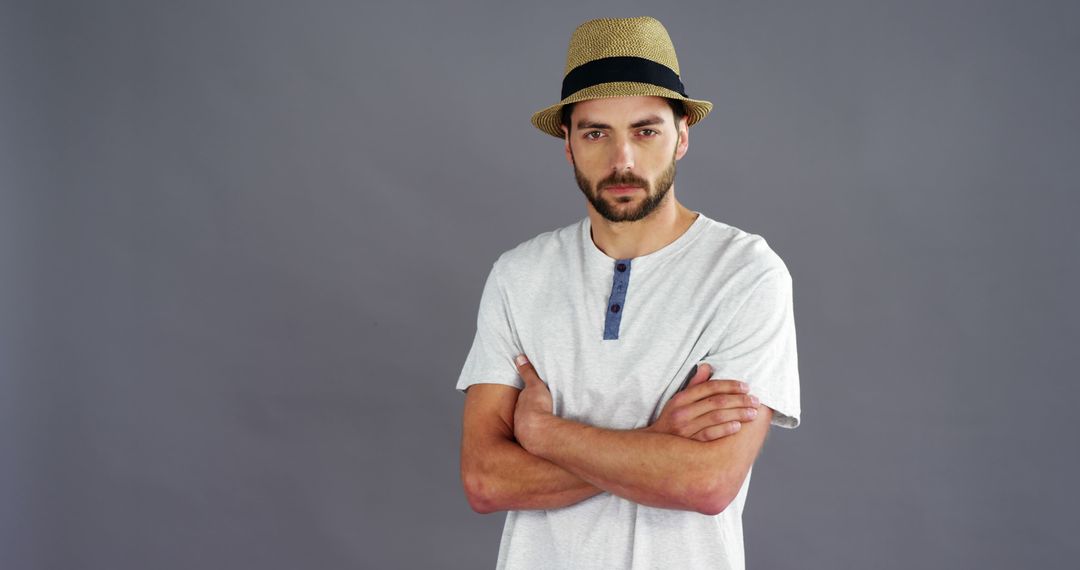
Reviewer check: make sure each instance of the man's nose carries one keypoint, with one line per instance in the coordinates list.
(623, 156)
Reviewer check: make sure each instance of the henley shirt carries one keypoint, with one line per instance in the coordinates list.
(614, 339)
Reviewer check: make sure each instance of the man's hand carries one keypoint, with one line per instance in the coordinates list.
(533, 404)
(706, 410)
(647, 465)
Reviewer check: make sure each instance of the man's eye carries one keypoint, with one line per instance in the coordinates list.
(648, 132)
(589, 135)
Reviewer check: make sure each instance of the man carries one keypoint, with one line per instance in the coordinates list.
(589, 414)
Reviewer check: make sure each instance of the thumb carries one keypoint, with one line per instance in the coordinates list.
(704, 371)
(525, 369)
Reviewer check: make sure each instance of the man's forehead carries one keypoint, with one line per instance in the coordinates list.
(630, 110)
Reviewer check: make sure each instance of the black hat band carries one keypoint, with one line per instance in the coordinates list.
(621, 68)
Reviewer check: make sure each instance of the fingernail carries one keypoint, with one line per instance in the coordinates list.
(754, 400)
(521, 359)
(745, 387)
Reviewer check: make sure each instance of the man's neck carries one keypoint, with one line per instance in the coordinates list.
(624, 240)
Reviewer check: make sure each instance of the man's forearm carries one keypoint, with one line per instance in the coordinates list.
(655, 469)
(514, 479)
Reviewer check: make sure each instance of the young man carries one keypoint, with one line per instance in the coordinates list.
(589, 414)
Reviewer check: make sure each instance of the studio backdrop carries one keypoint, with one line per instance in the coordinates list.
(242, 247)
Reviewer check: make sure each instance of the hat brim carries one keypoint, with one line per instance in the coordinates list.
(549, 120)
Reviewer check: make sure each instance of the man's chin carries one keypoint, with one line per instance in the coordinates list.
(620, 212)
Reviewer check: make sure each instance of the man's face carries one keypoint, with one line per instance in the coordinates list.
(623, 150)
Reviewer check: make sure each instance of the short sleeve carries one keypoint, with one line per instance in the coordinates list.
(491, 358)
(758, 347)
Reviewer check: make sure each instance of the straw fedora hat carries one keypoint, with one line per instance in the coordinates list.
(617, 57)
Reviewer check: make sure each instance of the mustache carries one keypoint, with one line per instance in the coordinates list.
(625, 179)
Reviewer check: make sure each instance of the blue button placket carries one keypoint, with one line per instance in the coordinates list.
(615, 306)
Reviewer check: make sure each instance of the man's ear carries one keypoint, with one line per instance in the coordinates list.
(684, 139)
(566, 141)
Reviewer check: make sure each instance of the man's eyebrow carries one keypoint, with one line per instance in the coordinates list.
(587, 124)
(647, 121)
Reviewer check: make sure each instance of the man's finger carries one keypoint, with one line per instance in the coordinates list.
(713, 387)
(525, 369)
(720, 417)
(715, 408)
(702, 373)
(717, 431)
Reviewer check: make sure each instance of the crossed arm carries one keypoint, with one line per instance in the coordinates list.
(498, 474)
(516, 455)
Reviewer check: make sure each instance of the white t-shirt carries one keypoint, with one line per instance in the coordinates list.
(614, 339)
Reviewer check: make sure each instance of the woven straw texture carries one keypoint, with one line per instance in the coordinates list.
(611, 37)
(643, 37)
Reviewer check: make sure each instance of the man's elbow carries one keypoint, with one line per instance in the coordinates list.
(714, 496)
(478, 494)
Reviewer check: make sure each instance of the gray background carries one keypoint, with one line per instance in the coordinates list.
(242, 246)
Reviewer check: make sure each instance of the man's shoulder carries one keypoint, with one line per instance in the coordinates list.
(542, 249)
(734, 247)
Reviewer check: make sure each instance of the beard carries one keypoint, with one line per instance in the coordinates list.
(655, 193)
